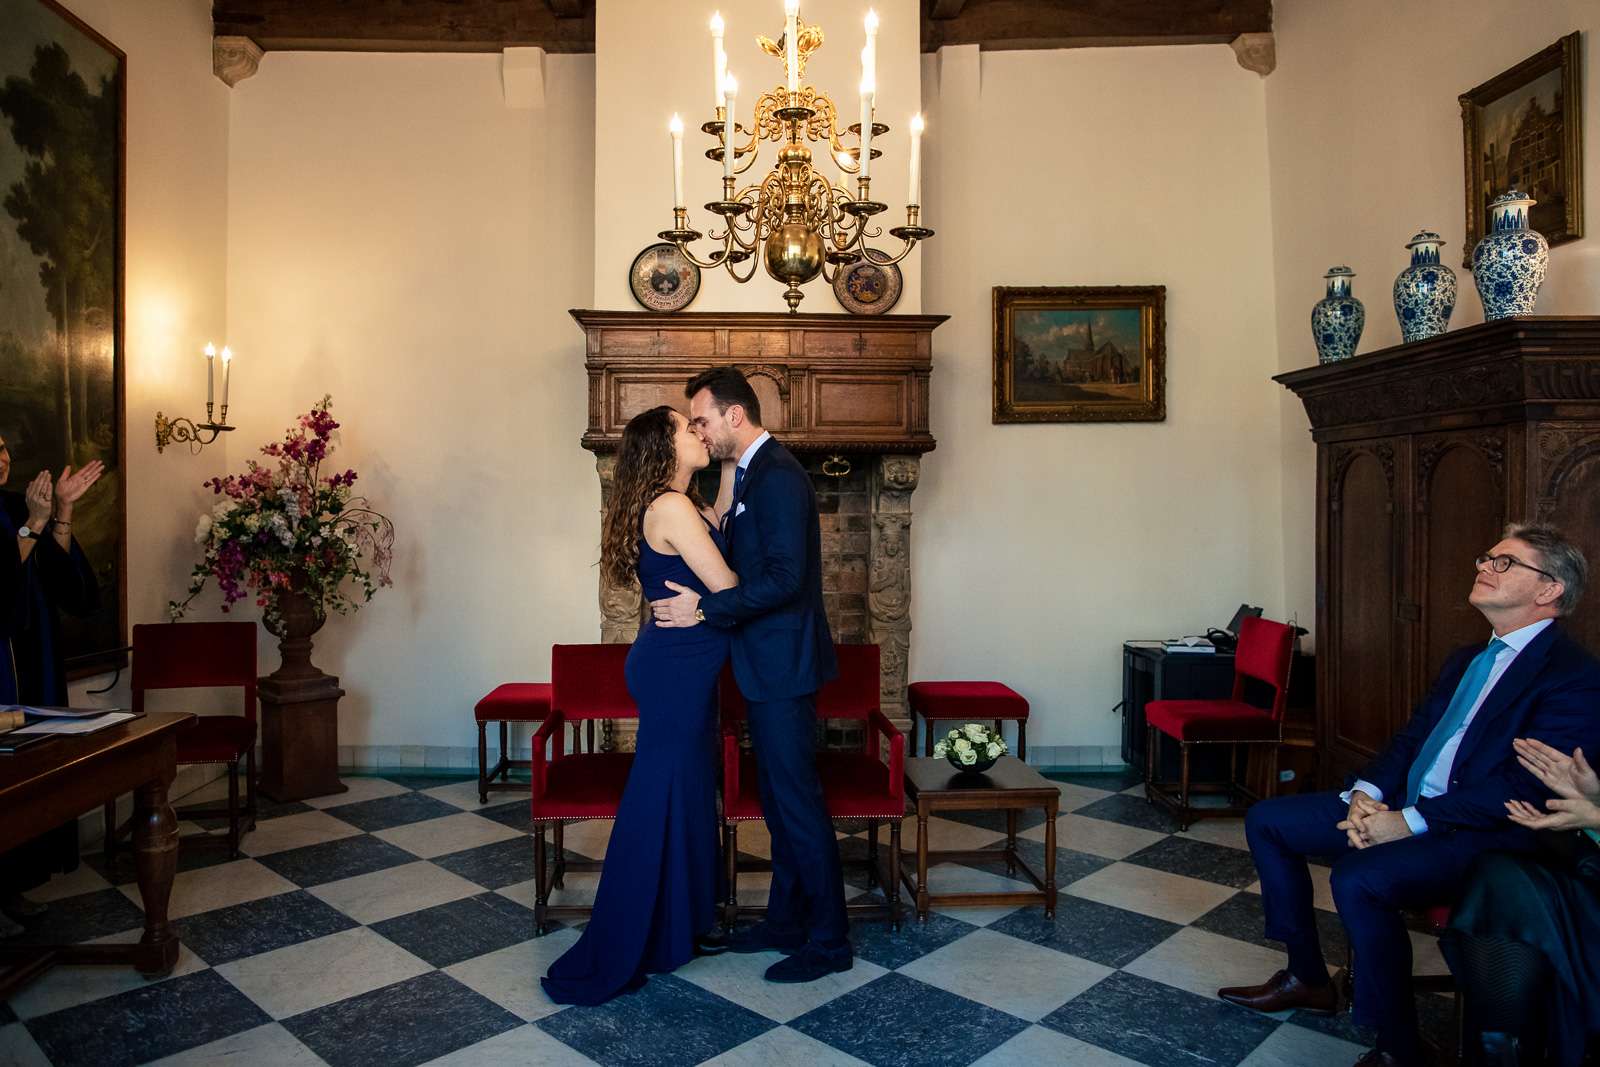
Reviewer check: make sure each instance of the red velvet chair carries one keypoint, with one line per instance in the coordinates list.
(586, 683)
(855, 785)
(508, 703)
(1266, 651)
(193, 655)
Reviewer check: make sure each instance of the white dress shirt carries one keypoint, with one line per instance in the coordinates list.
(1437, 780)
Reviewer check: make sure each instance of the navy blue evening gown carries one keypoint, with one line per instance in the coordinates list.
(658, 884)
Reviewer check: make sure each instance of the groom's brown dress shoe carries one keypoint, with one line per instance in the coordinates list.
(1282, 992)
(1377, 1058)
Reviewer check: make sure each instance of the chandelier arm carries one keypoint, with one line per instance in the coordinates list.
(715, 261)
(755, 261)
(904, 252)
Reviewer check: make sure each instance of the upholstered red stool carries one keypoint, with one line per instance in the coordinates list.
(968, 702)
(512, 702)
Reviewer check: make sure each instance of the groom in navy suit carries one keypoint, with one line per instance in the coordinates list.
(1407, 825)
(782, 654)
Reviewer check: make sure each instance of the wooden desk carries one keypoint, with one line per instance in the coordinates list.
(47, 784)
(933, 785)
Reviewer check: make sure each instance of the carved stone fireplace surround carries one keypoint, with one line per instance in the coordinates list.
(834, 386)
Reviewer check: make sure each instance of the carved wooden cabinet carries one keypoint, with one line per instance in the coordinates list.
(1424, 452)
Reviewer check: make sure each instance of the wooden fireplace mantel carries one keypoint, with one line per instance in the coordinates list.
(827, 383)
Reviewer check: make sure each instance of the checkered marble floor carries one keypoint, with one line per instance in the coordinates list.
(392, 925)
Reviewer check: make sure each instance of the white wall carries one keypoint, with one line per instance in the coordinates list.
(1038, 549)
(402, 240)
(1364, 131)
(654, 59)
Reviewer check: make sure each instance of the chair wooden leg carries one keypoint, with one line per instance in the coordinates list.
(1183, 788)
(1022, 740)
(872, 853)
(560, 880)
(233, 809)
(1272, 772)
(1149, 763)
(893, 888)
(109, 846)
(541, 887)
(505, 751)
(730, 907)
(927, 736)
(483, 762)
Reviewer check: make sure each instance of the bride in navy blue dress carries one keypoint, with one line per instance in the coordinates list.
(658, 884)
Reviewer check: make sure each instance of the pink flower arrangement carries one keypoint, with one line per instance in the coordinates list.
(287, 527)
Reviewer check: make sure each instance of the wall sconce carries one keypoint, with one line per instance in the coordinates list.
(181, 429)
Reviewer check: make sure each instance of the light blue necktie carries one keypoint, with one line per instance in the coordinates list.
(1465, 697)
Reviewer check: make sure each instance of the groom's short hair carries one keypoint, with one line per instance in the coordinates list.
(728, 387)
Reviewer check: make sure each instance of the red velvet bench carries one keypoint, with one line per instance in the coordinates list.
(968, 702)
(512, 702)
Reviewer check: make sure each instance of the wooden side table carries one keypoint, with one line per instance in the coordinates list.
(1011, 785)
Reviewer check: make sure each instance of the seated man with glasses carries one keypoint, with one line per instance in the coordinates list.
(1404, 831)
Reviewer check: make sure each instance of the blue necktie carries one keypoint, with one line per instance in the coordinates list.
(738, 480)
(1465, 697)
(727, 518)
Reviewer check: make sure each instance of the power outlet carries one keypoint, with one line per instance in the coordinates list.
(1285, 776)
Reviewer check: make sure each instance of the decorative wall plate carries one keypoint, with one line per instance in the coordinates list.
(662, 279)
(869, 286)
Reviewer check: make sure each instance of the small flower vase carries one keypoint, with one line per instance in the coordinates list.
(983, 764)
(1508, 264)
(1425, 292)
(1337, 319)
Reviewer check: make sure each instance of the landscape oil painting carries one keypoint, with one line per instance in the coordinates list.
(1080, 354)
(62, 122)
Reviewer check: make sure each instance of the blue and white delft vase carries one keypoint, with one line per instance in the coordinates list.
(1508, 264)
(1337, 319)
(1425, 292)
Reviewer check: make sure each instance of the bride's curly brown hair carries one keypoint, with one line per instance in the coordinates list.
(647, 461)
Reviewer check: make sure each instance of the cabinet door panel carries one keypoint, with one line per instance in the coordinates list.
(1463, 512)
(1574, 507)
(1364, 606)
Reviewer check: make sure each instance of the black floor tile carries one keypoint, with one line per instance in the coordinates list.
(874, 941)
(1114, 781)
(1240, 917)
(81, 918)
(1089, 930)
(991, 819)
(493, 866)
(895, 1021)
(1160, 1025)
(401, 1025)
(397, 810)
(147, 1023)
(1130, 811)
(249, 929)
(461, 929)
(516, 816)
(1231, 867)
(192, 856)
(420, 782)
(667, 1023)
(1071, 864)
(313, 865)
(265, 809)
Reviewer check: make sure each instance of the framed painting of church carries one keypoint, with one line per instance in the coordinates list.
(63, 118)
(1524, 127)
(1080, 354)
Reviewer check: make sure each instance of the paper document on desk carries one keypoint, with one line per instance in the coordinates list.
(40, 711)
(76, 726)
(1191, 644)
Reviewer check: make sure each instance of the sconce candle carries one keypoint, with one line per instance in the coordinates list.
(211, 367)
(181, 429)
(227, 373)
(916, 160)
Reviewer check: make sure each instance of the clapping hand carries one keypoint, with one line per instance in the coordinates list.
(1565, 814)
(1569, 777)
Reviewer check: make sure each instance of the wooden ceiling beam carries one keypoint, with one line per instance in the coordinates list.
(1013, 24)
(408, 25)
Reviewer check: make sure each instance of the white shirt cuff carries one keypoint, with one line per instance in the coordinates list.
(1418, 824)
(1366, 787)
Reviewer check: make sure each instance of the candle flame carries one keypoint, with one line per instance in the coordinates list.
(676, 126)
(716, 24)
(916, 123)
(211, 350)
(226, 354)
(729, 86)
(791, 7)
(872, 21)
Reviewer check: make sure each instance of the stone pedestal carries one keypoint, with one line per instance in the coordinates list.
(299, 737)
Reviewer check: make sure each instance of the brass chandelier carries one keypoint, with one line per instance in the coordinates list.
(801, 222)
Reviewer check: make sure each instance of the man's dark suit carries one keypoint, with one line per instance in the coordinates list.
(1550, 691)
(782, 654)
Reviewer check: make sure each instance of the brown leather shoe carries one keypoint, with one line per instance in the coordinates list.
(1377, 1058)
(1283, 992)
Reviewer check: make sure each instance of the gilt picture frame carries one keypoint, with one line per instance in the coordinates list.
(63, 151)
(1524, 127)
(1080, 354)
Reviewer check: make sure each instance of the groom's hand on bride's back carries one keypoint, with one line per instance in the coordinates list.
(677, 611)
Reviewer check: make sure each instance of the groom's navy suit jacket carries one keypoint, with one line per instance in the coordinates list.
(781, 644)
(1551, 692)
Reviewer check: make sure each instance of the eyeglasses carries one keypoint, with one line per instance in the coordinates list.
(1501, 564)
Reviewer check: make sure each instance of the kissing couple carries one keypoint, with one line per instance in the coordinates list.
(741, 579)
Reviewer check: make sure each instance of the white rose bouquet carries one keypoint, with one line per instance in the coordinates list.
(974, 747)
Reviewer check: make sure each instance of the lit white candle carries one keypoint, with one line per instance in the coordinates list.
(869, 55)
(719, 58)
(211, 372)
(791, 41)
(677, 161)
(916, 160)
(866, 126)
(227, 374)
(730, 92)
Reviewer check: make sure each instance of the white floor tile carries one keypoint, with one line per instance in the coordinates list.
(1204, 962)
(1010, 975)
(957, 878)
(1321, 889)
(1074, 796)
(1425, 955)
(452, 833)
(1296, 1046)
(738, 977)
(464, 795)
(370, 898)
(1036, 1045)
(783, 1047)
(1229, 832)
(19, 1049)
(294, 831)
(359, 789)
(83, 880)
(587, 838)
(510, 977)
(947, 834)
(1172, 897)
(265, 1046)
(222, 886)
(526, 1046)
(1097, 837)
(288, 981)
(579, 890)
(68, 987)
